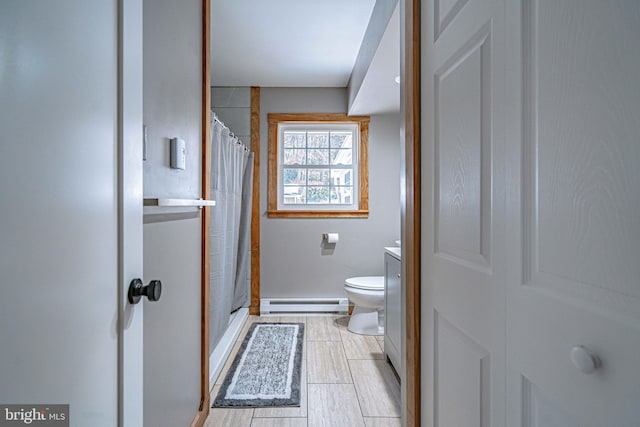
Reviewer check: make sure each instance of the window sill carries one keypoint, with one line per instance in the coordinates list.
(317, 214)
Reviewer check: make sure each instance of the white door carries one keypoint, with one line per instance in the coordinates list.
(573, 212)
(463, 272)
(70, 207)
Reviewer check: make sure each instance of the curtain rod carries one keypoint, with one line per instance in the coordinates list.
(215, 117)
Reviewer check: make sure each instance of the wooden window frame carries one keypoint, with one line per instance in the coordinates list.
(363, 165)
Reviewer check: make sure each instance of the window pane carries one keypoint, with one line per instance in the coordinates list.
(294, 177)
(294, 156)
(341, 177)
(341, 157)
(341, 139)
(341, 195)
(318, 156)
(318, 176)
(294, 195)
(318, 195)
(318, 139)
(294, 139)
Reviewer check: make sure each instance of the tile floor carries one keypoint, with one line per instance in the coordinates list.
(345, 382)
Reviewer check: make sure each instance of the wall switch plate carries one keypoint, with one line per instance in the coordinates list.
(178, 154)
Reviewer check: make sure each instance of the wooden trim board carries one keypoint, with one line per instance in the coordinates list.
(411, 212)
(254, 307)
(318, 214)
(315, 118)
(363, 165)
(203, 410)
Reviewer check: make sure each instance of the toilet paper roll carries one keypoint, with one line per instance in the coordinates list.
(332, 237)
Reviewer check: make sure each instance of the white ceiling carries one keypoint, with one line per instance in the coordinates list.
(279, 43)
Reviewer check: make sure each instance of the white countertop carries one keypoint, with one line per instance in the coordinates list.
(394, 252)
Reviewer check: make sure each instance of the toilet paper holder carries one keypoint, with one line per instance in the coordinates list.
(330, 237)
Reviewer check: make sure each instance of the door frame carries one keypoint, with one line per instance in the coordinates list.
(254, 308)
(410, 23)
(130, 211)
(410, 215)
(205, 400)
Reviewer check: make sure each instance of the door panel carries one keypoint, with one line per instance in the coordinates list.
(463, 162)
(538, 411)
(573, 256)
(463, 216)
(461, 368)
(582, 127)
(61, 250)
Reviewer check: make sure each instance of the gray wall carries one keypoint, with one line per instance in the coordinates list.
(172, 108)
(291, 258)
(233, 107)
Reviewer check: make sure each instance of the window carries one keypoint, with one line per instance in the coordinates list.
(318, 165)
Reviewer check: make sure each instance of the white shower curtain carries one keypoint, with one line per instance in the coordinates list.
(229, 228)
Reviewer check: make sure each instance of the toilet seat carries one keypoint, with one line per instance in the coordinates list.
(372, 283)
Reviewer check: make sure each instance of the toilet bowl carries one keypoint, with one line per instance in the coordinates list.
(367, 295)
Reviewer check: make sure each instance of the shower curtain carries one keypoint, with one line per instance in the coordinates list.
(231, 179)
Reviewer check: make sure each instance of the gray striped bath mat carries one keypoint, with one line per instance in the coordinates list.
(266, 370)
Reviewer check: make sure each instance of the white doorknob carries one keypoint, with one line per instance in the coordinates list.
(584, 360)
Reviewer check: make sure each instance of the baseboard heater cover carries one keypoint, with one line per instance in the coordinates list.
(304, 305)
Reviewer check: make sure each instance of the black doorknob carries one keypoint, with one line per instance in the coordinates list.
(137, 290)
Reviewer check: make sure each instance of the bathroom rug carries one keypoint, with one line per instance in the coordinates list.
(266, 370)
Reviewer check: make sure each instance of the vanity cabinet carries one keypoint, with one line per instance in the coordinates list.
(392, 307)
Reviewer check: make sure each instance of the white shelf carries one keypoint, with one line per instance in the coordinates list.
(163, 209)
(179, 202)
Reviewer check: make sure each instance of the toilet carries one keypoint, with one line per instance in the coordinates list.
(367, 295)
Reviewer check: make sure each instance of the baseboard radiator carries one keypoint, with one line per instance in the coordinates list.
(303, 305)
